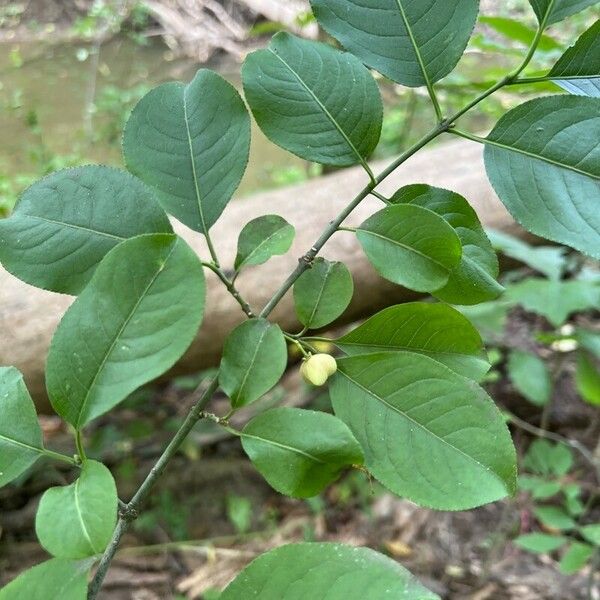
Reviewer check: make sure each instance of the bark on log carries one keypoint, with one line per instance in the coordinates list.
(28, 316)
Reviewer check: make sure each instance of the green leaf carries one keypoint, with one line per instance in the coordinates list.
(191, 143)
(21, 442)
(589, 340)
(555, 300)
(541, 489)
(540, 543)
(587, 378)
(543, 160)
(56, 578)
(137, 316)
(78, 520)
(412, 415)
(519, 32)
(549, 260)
(300, 452)
(591, 533)
(578, 70)
(65, 223)
(548, 459)
(322, 293)
(254, 359)
(554, 517)
(575, 558)
(489, 318)
(262, 238)
(411, 246)
(553, 11)
(412, 43)
(435, 330)
(474, 279)
(333, 119)
(530, 376)
(324, 571)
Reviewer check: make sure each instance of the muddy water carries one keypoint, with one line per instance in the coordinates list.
(57, 83)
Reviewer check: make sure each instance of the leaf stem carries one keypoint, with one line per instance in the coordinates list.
(59, 457)
(350, 229)
(305, 260)
(380, 196)
(79, 445)
(229, 284)
(129, 512)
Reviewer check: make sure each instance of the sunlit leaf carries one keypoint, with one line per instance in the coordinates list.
(587, 378)
(540, 543)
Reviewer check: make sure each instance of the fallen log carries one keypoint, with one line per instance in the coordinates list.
(29, 316)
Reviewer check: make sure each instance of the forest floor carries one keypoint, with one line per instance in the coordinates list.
(209, 517)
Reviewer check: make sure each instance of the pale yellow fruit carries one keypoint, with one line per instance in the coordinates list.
(317, 369)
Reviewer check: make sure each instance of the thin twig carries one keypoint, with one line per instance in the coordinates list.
(129, 513)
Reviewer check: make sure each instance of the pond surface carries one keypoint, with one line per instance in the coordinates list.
(45, 96)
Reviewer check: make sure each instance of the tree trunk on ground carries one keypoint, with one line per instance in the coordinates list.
(28, 316)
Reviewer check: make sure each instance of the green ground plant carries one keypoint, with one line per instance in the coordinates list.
(408, 407)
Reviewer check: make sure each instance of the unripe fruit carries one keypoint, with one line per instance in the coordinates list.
(317, 369)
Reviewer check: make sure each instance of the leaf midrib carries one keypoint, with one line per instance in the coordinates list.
(119, 333)
(319, 295)
(422, 427)
(251, 366)
(416, 48)
(545, 159)
(261, 244)
(323, 108)
(73, 226)
(86, 533)
(193, 162)
(408, 248)
(284, 447)
(15, 442)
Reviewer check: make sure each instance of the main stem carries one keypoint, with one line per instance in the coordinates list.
(129, 512)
